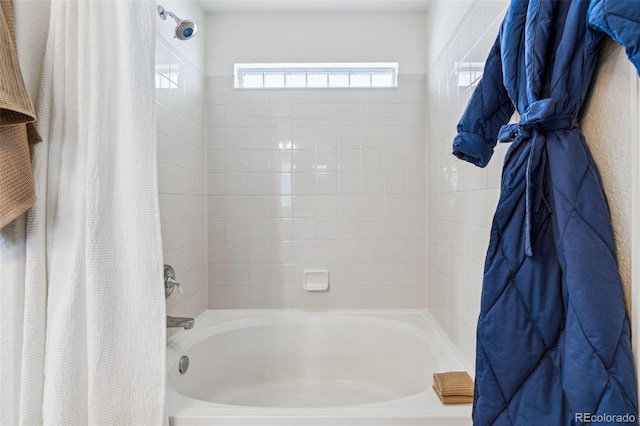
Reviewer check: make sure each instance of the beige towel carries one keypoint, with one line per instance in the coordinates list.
(453, 387)
(17, 131)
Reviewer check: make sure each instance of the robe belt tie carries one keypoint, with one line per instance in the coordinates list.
(534, 131)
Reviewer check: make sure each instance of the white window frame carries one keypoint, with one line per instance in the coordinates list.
(468, 74)
(351, 69)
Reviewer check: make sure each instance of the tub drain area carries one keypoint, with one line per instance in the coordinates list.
(183, 365)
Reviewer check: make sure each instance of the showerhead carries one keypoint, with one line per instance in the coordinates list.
(185, 29)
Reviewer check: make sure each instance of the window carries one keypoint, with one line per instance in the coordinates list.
(316, 75)
(468, 73)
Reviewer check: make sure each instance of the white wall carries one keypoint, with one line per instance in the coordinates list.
(181, 106)
(316, 178)
(461, 197)
(329, 179)
(315, 37)
(442, 19)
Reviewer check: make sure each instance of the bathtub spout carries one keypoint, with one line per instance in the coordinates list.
(186, 323)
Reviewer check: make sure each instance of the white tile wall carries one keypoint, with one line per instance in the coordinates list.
(461, 197)
(316, 179)
(182, 175)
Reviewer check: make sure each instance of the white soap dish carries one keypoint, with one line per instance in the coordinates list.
(316, 280)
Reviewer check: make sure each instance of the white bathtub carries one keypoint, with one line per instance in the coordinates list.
(311, 368)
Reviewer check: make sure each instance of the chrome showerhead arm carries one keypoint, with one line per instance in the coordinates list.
(163, 14)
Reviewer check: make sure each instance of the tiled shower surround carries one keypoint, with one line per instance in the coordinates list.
(462, 197)
(307, 179)
(181, 106)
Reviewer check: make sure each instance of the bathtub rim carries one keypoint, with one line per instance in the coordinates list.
(240, 314)
(407, 408)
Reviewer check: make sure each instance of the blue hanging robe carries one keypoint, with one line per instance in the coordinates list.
(553, 339)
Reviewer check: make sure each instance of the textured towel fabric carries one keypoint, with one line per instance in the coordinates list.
(17, 131)
(453, 399)
(453, 387)
(453, 383)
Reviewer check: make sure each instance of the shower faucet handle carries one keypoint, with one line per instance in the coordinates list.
(170, 282)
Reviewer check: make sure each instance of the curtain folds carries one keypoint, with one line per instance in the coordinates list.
(85, 316)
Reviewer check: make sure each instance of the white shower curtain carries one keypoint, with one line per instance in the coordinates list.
(82, 323)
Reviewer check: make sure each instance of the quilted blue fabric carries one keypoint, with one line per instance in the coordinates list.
(553, 338)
